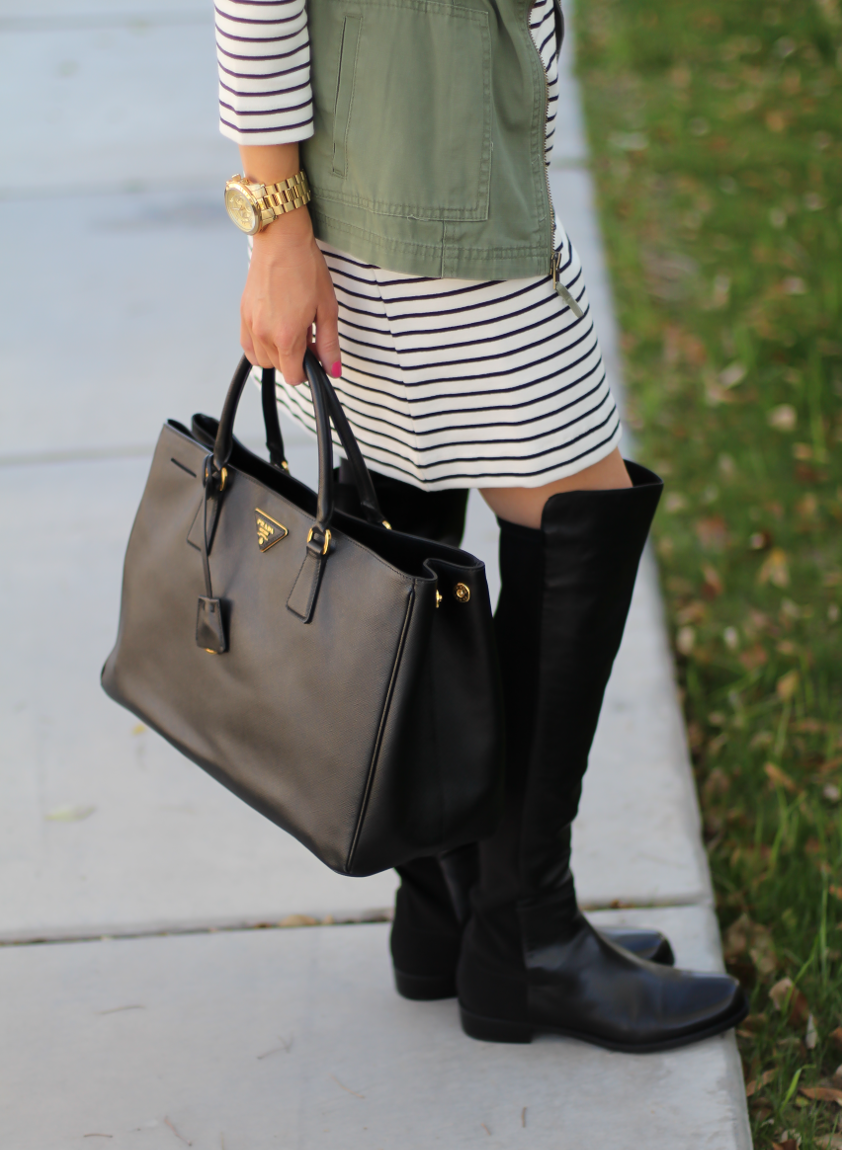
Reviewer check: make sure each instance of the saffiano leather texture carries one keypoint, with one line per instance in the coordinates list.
(342, 681)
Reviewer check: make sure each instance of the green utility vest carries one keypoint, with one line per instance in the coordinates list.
(428, 152)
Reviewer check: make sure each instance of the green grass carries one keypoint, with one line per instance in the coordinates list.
(716, 130)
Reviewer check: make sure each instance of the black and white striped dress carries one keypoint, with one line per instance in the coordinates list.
(447, 383)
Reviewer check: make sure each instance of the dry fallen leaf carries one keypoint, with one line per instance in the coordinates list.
(830, 1141)
(716, 784)
(822, 1094)
(783, 417)
(758, 1084)
(693, 612)
(755, 1022)
(712, 533)
(810, 727)
(695, 735)
(811, 1038)
(735, 373)
(69, 814)
(298, 920)
(776, 121)
(799, 1010)
(794, 285)
(713, 584)
(787, 685)
(807, 507)
(779, 778)
(736, 938)
(714, 394)
(775, 569)
(779, 992)
(753, 657)
(762, 951)
(685, 640)
(744, 935)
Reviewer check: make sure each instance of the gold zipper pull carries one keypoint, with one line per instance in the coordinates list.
(562, 290)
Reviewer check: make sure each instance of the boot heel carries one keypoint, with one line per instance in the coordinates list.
(425, 987)
(494, 1029)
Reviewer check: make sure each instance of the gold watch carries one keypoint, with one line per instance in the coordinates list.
(253, 207)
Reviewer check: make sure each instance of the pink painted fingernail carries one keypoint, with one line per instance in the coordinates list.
(336, 370)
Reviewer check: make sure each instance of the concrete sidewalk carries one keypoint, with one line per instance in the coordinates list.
(197, 1027)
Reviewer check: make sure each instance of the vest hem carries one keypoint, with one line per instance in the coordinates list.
(434, 260)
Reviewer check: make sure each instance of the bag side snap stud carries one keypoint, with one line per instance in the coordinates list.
(462, 592)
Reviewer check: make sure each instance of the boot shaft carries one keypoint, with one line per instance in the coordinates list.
(566, 592)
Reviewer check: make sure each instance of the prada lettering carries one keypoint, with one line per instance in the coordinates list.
(269, 531)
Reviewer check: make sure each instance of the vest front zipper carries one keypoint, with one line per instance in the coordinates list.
(555, 257)
(569, 299)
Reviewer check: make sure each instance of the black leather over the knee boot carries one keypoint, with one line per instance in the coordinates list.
(530, 962)
(432, 905)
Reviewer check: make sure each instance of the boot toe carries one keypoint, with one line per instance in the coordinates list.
(704, 1004)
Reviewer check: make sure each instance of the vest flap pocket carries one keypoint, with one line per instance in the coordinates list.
(402, 93)
(344, 90)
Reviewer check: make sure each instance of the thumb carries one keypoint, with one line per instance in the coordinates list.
(327, 342)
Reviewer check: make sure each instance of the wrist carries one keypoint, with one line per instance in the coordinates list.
(291, 228)
(270, 164)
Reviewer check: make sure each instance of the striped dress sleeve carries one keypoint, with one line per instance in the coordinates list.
(263, 55)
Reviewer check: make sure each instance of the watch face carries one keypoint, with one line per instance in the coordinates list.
(241, 210)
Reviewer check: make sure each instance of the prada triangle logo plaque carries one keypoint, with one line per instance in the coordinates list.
(269, 530)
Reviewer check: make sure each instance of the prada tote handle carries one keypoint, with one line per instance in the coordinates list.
(275, 442)
(274, 438)
(326, 405)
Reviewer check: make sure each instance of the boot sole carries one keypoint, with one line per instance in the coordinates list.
(502, 1030)
(425, 987)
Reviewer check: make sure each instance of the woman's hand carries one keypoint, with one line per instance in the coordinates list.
(289, 286)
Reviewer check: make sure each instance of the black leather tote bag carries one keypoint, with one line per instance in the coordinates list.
(338, 676)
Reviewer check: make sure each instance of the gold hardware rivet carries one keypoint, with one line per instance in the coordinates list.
(462, 592)
(326, 544)
(439, 598)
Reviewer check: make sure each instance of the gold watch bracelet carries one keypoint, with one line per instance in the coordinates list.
(274, 200)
